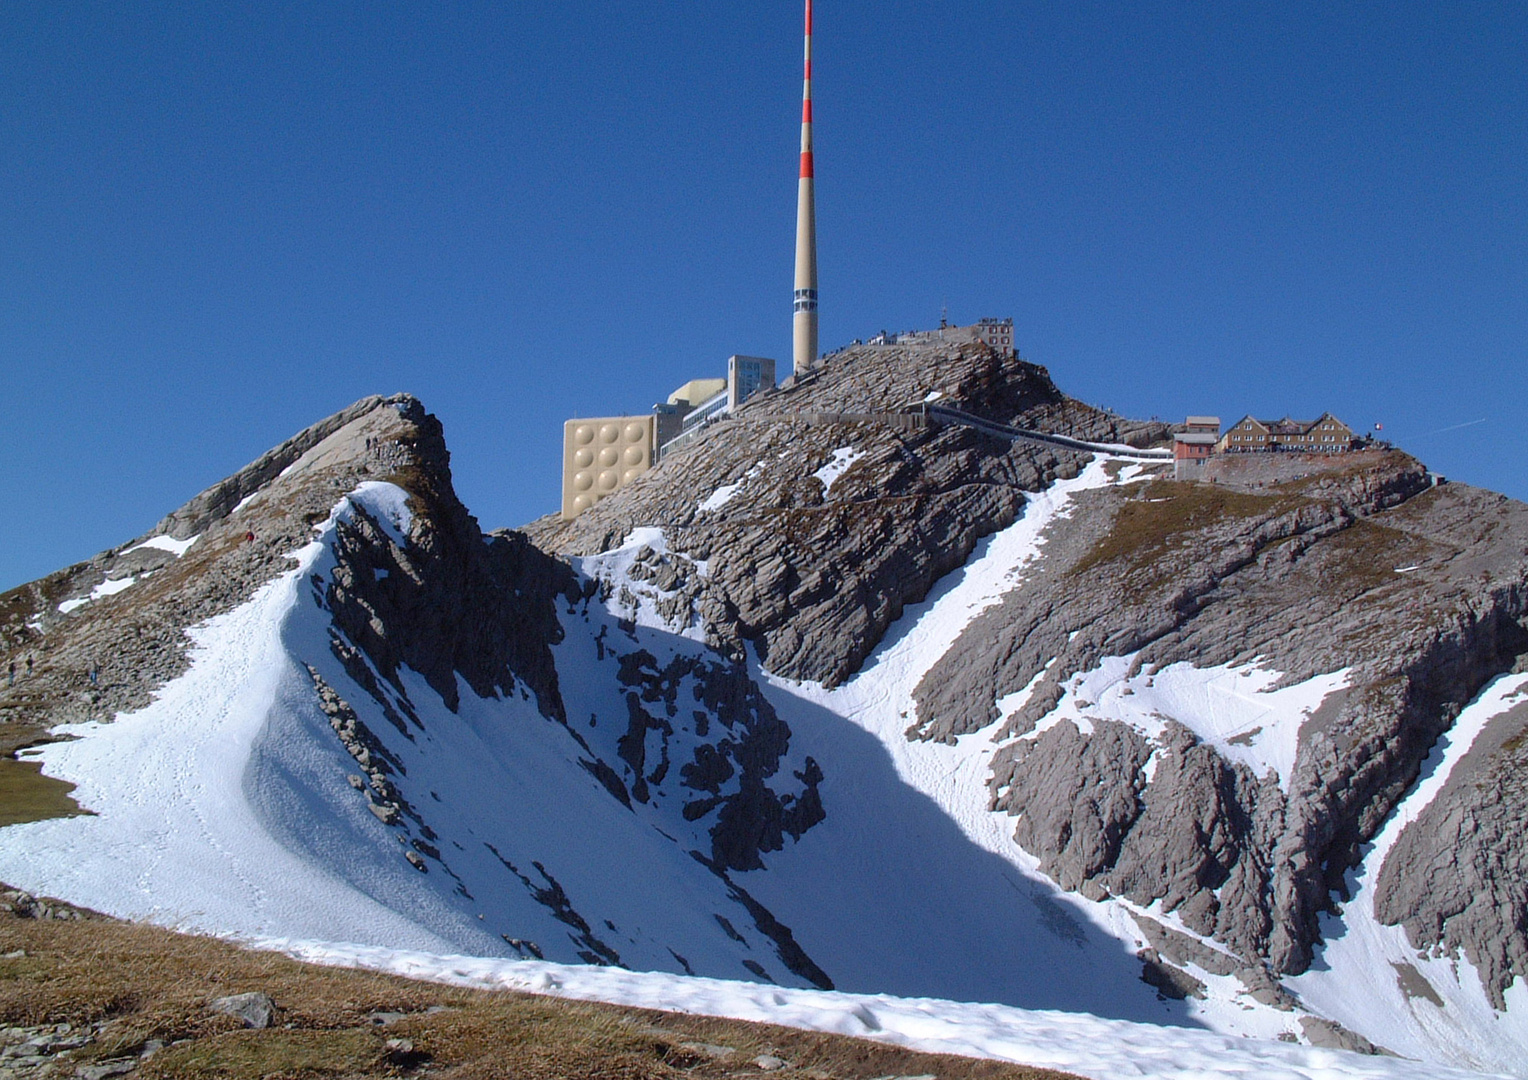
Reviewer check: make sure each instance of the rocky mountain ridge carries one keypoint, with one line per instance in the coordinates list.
(1359, 563)
(1198, 704)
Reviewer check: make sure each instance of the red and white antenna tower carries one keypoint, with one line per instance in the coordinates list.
(805, 319)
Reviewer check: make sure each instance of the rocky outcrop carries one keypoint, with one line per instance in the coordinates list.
(1307, 564)
(1456, 878)
(449, 601)
(218, 501)
(728, 770)
(1367, 568)
(133, 632)
(811, 575)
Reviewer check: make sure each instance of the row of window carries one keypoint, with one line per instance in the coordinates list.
(1323, 427)
(1288, 438)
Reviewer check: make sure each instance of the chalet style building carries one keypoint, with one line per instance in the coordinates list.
(1324, 435)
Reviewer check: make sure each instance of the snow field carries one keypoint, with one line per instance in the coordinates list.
(837, 465)
(174, 838)
(1238, 711)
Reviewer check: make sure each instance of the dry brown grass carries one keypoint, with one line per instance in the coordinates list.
(1365, 556)
(1166, 510)
(145, 983)
(27, 795)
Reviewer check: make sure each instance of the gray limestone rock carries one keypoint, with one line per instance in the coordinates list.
(1304, 577)
(1457, 878)
(1333, 1036)
(809, 576)
(254, 1009)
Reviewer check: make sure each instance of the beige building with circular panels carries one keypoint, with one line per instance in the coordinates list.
(600, 456)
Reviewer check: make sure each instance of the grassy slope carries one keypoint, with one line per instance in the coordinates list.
(27, 795)
(135, 983)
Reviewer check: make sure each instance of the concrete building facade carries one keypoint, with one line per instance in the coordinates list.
(1190, 451)
(602, 455)
(746, 376)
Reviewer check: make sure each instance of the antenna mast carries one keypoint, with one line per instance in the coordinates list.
(804, 328)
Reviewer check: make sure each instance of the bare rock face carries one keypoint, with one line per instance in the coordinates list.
(124, 613)
(728, 770)
(1454, 878)
(447, 602)
(218, 501)
(450, 603)
(811, 574)
(1301, 575)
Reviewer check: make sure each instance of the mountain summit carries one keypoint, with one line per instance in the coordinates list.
(865, 688)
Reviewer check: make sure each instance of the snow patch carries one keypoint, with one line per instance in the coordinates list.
(837, 465)
(1241, 712)
(110, 587)
(166, 543)
(629, 597)
(719, 498)
(388, 504)
(724, 494)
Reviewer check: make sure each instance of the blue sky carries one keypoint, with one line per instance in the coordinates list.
(219, 225)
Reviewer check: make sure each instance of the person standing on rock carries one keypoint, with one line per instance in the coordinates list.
(12, 674)
(29, 667)
(94, 674)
